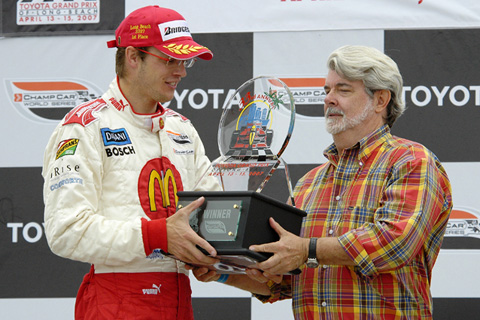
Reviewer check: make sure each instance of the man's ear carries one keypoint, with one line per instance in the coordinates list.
(132, 57)
(381, 99)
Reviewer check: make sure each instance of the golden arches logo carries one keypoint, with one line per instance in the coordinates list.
(163, 180)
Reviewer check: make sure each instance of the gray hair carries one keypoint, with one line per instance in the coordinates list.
(377, 71)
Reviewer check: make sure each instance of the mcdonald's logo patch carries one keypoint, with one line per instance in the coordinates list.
(158, 184)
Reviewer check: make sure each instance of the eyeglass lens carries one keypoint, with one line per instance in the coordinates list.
(186, 63)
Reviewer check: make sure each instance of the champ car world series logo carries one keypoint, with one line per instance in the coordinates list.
(308, 93)
(463, 230)
(49, 100)
(464, 222)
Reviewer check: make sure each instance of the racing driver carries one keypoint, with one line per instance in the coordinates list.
(112, 168)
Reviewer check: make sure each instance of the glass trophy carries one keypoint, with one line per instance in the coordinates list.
(254, 131)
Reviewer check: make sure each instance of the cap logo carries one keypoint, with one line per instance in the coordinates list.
(169, 30)
(174, 29)
(183, 48)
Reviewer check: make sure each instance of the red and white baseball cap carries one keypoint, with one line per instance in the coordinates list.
(162, 28)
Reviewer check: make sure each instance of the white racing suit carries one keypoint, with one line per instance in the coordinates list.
(111, 178)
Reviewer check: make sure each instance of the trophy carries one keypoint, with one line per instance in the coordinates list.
(254, 131)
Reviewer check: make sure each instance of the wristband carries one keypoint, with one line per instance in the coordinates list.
(223, 278)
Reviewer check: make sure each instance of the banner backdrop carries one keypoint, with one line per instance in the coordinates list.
(435, 44)
(303, 15)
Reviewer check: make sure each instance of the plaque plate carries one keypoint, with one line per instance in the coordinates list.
(218, 221)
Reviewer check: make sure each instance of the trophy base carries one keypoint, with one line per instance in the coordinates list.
(232, 221)
(237, 260)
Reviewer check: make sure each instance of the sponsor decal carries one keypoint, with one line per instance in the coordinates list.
(180, 138)
(47, 100)
(64, 170)
(198, 99)
(63, 175)
(31, 232)
(457, 95)
(119, 105)
(65, 182)
(463, 223)
(119, 151)
(154, 290)
(174, 29)
(308, 93)
(66, 147)
(463, 229)
(158, 184)
(115, 137)
(183, 152)
(50, 12)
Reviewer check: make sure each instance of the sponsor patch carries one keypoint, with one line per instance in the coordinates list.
(119, 151)
(174, 29)
(179, 138)
(183, 152)
(66, 147)
(154, 290)
(66, 181)
(115, 137)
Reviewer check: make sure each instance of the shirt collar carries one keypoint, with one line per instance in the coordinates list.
(364, 147)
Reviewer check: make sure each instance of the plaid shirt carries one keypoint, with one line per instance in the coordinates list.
(388, 201)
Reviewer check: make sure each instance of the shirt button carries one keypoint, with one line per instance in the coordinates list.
(360, 163)
(337, 198)
(325, 266)
(324, 304)
(330, 231)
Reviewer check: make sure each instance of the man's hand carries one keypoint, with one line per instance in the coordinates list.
(182, 240)
(289, 253)
(255, 281)
(203, 274)
(263, 277)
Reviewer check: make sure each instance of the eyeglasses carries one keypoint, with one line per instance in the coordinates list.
(171, 62)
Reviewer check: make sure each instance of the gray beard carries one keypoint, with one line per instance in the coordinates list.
(336, 126)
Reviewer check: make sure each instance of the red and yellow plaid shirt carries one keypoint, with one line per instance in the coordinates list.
(388, 201)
